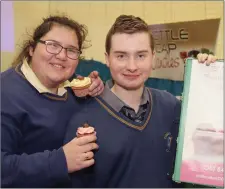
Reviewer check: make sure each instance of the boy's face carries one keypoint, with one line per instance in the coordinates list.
(130, 59)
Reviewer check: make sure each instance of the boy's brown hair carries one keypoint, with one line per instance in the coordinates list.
(128, 24)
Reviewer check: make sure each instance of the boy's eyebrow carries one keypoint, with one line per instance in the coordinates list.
(120, 52)
(142, 51)
(124, 52)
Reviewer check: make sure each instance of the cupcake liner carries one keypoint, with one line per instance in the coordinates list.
(81, 91)
(85, 134)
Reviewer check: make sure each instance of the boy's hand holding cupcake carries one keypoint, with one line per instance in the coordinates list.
(97, 85)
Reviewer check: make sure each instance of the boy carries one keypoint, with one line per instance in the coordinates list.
(136, 126)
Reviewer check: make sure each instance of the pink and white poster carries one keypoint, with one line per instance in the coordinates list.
(200, 153)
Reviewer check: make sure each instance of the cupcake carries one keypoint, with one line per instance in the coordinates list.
(80, 86)
(86, 129)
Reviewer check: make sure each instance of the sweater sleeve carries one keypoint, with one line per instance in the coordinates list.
(43, 169)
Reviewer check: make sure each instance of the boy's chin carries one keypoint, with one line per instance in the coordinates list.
(133, 87)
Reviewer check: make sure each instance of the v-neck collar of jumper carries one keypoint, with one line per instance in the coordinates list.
(125, 120)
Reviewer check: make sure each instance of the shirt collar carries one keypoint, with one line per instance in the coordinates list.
(109, 97)
(32, 78)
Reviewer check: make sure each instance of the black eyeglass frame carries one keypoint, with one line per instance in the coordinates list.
(46, 43)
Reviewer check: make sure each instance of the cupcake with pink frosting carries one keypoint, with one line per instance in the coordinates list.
(86, 129)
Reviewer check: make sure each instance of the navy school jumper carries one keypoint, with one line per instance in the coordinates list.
(130, 154)
(33, 127)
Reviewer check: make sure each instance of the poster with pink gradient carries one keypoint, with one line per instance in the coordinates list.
(200, 153)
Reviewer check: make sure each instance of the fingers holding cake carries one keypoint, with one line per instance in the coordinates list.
(79, 152)
(97, 86)
(88, 155)
(86, 139)
(82, 133)
(89, 147)
(86, 135)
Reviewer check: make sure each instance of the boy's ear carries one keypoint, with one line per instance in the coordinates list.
(107, 59)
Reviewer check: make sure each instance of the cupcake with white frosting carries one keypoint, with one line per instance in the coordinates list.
(80, 86)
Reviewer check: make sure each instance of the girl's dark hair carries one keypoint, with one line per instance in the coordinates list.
(44, 28)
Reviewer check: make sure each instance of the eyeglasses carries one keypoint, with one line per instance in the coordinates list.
(55, 48)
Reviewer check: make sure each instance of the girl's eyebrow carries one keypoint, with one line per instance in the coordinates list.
(69, 46)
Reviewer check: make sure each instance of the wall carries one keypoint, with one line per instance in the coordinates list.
(26, 16)
(99, 16)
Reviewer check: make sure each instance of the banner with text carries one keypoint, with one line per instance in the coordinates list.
(174, 41)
